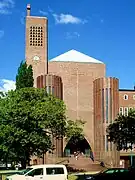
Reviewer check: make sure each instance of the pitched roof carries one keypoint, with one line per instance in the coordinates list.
(75, 56)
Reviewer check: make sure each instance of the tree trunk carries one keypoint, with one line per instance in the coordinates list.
(43, 158)
(23, 163)
(28, 161)
(6, 164)
(6, 160)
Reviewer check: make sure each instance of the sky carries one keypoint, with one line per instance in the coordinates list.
(103, 29)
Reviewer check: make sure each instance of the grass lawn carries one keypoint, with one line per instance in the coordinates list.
(72, 177)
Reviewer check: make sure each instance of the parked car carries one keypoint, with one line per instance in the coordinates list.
(38, 172)
(109, 173)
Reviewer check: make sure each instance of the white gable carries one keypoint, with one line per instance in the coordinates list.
(75, 56)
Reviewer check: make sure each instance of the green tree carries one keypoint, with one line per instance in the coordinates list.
(29, 118)
(74, 131)
(122, 131)
(24, 77)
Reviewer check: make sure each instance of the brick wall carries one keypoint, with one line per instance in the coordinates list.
(33, 48)
(106, 106)
(77, 79)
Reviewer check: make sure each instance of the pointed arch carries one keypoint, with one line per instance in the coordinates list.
(81, 146)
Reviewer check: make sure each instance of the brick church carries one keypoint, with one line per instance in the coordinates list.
(81, 82)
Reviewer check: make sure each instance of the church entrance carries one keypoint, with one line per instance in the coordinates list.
(76, 145)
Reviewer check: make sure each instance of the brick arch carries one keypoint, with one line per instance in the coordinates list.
(90, 143)
(87, 140)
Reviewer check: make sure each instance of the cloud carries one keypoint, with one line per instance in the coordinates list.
(72, 35)
(7, 85)
(6, 6)
(63, 18)
(50, 10)
(1, 33)
(44, 13)
(68, 19)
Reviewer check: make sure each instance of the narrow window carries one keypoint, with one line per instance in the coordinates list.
(121, 111)
(125, 97)
(110, 93)
(130, 109)
(52, 90)
(126, 111)
(102, 105)
(48, 89)
(106, 143)
(106, 105)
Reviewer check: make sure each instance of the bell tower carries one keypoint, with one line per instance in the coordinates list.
(36, 44)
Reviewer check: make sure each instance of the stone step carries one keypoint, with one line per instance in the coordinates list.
(83, 163)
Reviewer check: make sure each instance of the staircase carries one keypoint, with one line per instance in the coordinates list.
(84, 164)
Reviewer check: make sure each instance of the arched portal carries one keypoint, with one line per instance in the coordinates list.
(77, 145)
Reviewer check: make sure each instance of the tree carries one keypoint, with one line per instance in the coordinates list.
(74, 131)
(24, 78)
(29, 118)
(122, 131)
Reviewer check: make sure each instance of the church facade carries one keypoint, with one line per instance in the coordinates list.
(81, 82)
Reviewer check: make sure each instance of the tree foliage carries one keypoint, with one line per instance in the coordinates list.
(24, 77)
(122, 131)
(29, 118)
(74, 131)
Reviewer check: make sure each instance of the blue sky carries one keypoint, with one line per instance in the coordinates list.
(103, 29)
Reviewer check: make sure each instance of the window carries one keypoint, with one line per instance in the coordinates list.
(125, 97)
(52, 90)
(110, 171)
(25, 171)
(134, 97)
(121, 110)
(106, 143)
(36, 172)
(54, 171)
(102, 105)
(126, 111)
(106, 105)
(48, 89)
(34, 32)
(124, 170)
(110, 94)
